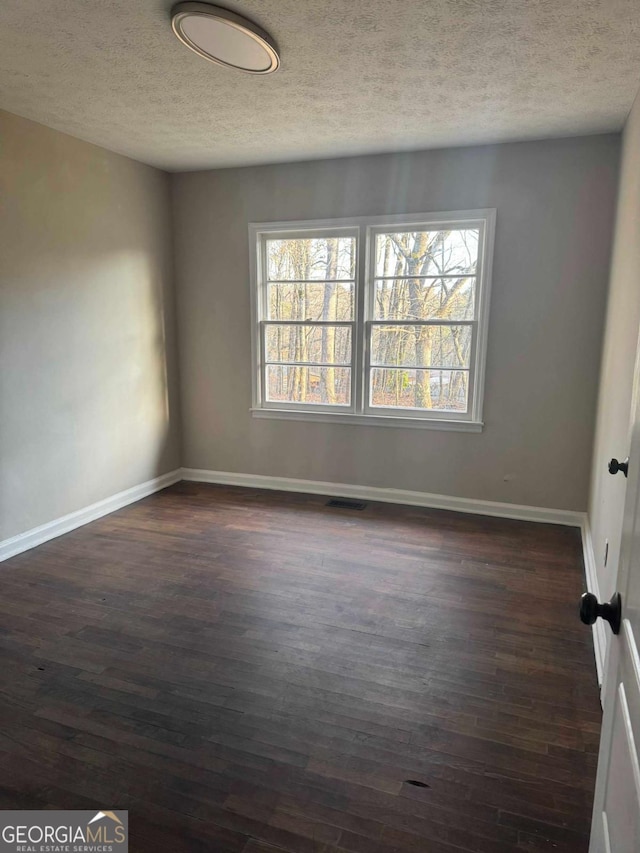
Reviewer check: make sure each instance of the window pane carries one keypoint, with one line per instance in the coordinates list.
(326, 344)
(318, 385)
(304, 258)
(454, 251)
(443, 390)
(322, 300)
(421, 346)
(425, 298)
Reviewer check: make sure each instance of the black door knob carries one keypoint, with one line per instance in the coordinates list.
(591, 609)
(615, 466)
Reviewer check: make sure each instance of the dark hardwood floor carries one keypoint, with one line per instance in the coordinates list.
(255, 671)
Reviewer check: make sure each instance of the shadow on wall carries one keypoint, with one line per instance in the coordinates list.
(86, 326)
(86, 400)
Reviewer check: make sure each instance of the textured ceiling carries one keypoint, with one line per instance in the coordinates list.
(357, 76)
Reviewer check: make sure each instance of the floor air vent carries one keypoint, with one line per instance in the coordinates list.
(345, 503)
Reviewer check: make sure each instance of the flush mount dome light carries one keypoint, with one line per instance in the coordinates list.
(223, 37)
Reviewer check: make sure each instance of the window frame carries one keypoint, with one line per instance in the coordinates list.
(364, 229)
(259, 290)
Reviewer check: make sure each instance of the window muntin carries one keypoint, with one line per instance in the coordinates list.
(372, 317)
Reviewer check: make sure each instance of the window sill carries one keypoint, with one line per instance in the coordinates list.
(368, 420)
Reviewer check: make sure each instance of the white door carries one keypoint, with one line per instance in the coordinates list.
(616, 810)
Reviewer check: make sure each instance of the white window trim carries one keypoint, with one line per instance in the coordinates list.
(357, 413)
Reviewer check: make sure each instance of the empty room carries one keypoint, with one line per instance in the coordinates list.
(320, 426)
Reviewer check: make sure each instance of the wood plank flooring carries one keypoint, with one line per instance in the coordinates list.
(254, 672)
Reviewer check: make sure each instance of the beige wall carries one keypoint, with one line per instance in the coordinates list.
(555, 202)
(618, 359)
(87, 350)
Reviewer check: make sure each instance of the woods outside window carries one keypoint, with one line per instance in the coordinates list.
(373, 320)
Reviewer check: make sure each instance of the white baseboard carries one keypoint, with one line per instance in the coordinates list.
(396, 496)
(38, 535)
(591, 574)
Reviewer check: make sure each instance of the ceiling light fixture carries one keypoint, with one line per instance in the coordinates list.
(224, 37)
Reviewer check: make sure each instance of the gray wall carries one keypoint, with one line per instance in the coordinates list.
(618, 359)
(87, 349)
(555, 202)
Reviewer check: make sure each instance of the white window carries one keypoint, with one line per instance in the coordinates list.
(372, 320)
